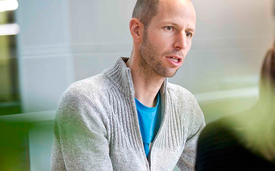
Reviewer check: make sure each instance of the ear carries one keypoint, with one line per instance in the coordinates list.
(136, 29)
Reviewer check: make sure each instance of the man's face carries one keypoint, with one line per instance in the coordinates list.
(167, 39)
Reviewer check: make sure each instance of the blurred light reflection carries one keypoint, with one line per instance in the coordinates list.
(8, 5)
(9, 29)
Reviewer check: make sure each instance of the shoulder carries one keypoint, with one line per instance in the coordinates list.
(215, 127)
(95, 83)
(217, 131)
(89, 87)
(229, 126)
(176, 88)
(85, 100)
(187, 107)
(89, 94)
(181, 95)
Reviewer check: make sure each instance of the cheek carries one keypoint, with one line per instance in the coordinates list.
(160, 38)
(157, 41)
(189, 44)
(159, 45)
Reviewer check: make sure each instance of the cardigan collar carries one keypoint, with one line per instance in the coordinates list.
(121, 77)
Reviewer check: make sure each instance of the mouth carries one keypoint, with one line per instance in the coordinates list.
(175, 59)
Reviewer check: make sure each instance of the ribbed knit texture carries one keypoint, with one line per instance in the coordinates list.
(97, 127)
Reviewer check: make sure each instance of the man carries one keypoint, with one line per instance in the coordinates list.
(129, 117)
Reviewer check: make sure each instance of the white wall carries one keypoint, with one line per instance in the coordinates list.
(99, 34)
(44, 53)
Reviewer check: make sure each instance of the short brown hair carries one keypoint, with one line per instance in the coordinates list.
(145, 10)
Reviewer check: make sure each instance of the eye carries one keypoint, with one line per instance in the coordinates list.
(169, 28)
(189, 34)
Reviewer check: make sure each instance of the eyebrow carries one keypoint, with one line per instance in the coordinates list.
(192, 30)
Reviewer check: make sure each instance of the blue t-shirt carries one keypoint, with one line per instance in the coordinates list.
(149, 122)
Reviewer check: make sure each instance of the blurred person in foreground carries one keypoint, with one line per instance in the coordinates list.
(129, 117)
(244, 141)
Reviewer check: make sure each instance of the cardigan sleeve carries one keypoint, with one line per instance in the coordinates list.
(187, 159)
(80, 135)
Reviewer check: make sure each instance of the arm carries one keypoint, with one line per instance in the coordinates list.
(196, 124)
(80, 136)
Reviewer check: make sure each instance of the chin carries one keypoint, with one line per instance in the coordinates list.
(171, 75)
(168, 73)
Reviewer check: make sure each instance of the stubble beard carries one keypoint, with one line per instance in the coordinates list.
(150, 64)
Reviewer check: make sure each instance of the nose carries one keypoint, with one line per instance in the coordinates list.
(181, 41)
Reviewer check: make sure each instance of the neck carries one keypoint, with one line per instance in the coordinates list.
(146, 82)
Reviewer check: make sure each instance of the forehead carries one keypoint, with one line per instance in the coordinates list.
(181, 11)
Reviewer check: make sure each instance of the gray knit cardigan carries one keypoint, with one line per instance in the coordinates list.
(96, 126)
